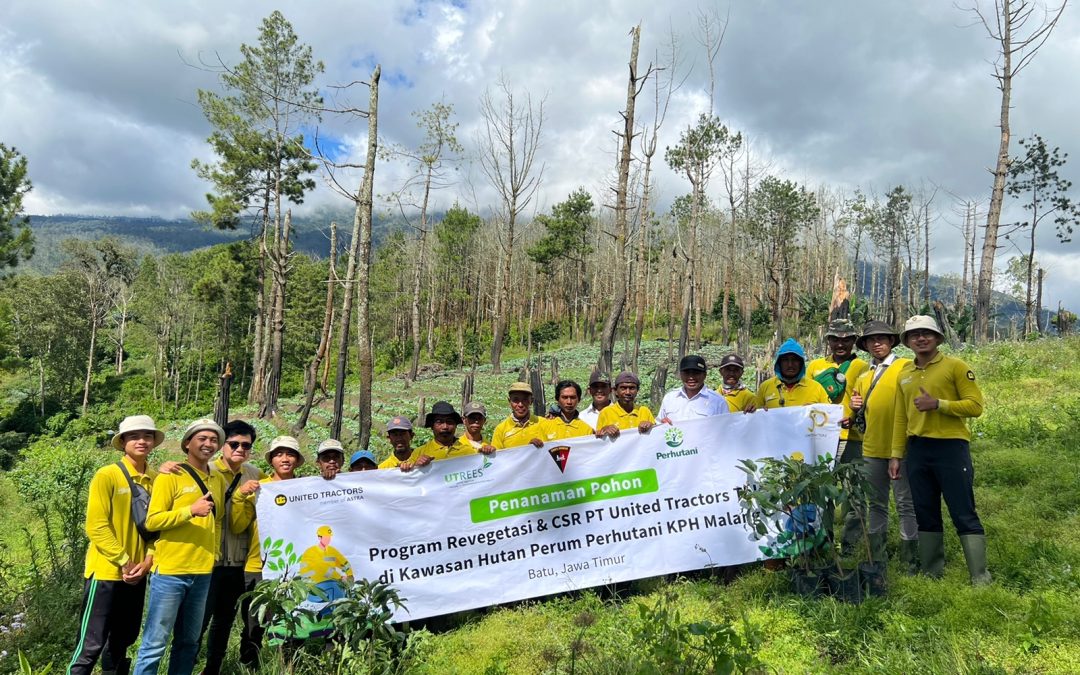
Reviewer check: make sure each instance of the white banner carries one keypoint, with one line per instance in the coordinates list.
(477, 531)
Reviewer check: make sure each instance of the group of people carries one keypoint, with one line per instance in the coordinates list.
(189, 530)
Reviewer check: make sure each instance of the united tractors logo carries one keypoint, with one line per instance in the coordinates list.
(281, 500)
(673, 437)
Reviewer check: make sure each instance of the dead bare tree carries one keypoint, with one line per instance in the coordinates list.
(1018, 43)
(311, 376)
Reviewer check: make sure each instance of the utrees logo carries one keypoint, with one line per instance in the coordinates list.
(673, 437)
(456, 478)
(281, 500)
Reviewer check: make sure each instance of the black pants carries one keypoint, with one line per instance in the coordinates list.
(108, 625)
(941, 467)
(226, 587)
(252, 635)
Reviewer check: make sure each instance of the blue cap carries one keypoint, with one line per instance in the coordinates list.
(362, 454)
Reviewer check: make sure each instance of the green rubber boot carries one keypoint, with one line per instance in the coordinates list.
(932, 553)
(909, 556)
(974, 546)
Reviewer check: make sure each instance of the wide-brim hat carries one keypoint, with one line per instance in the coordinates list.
(287, 443)
(920, 322)
(204, 424)
(442, 408)
(876, 328)
(137, 423)
(841, 328)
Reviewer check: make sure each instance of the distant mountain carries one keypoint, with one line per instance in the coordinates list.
(159, 235)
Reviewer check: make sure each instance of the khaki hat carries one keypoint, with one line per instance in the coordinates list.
(287, 443)
(204, 424)
(330, 445)
(137, 423)
(522, 387)
(920, 322)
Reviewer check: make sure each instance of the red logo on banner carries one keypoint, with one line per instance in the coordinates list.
(560, 455)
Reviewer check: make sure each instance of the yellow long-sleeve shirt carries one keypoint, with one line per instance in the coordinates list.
(737, 399)
(510, 433)
(114, 540)
(436, 450)
(614, 414)
(774, 394)
(947, 379)
(242, 519)
(880, 407)
(188, 544)
(853, 373)
(556, 429)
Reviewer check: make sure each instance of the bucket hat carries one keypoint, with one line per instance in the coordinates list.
(204, 424)
(137, 423)
(841, 328)
(876, 328)
(441, 408)
(920, 322)
(288, 443)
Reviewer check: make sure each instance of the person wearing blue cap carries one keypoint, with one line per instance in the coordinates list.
(362, 460)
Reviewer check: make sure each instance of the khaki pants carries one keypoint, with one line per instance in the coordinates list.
(878, 470)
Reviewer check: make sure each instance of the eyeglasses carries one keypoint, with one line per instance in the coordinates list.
(239, 444)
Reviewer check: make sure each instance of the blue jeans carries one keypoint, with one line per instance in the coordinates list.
(176, 606)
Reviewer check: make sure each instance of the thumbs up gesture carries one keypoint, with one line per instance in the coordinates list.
(925, 402)
(203, 506)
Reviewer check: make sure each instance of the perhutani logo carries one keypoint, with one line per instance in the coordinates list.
(673, 437)
(818, 418)
(281, 500)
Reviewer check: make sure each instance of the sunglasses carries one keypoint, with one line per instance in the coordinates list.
(239, 444)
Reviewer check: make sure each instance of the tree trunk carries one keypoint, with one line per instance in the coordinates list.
(363, 328)
(1040, 325)
(280, 274)
(418, 273)
(90, 360)
(502, 302)
(255, 392)
(311, 376)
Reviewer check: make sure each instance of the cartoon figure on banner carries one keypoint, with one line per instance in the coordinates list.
(326, 567)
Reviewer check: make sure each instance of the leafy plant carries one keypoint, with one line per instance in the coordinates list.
(362, 623)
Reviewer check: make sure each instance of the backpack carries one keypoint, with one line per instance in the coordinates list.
(834, 380)
(140, 504)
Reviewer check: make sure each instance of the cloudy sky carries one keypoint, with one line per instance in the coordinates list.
(101, 96)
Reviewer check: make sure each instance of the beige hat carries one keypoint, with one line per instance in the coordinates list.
(137, 423)
(288, 443)
(523, 387)
(330, 444)
(204, 424)
(920, 322)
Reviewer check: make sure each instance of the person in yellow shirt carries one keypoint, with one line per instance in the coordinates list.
(567, 424)
(443, 421)
(402, 455)
(872, 402)
(227, 580)
(474, 414)
(790, 386)
(284, 458)
(521, 425)
(625, 414)
(118, 557)
(326, 566)
(184, 509)
(935, 395)
(738, 397)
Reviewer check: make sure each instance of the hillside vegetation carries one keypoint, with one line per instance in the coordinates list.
(1027, 488)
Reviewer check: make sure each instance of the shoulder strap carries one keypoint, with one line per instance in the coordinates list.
(873, 382)
(202, 486)
(843, 368)
(123, 469)
(232, 486)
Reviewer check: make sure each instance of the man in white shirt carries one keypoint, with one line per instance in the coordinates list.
(600, 390)
(693, 399)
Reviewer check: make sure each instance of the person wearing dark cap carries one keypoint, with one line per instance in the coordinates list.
(402, 455)
(600, 391)
(789, 386)
(738, 397)
(935, 396)
(568, 424)
(474, 414)
(443, 421)
(693, 399)
(873, 400)
(521, 425)
(625, 413)
(362, 460)
(330, 458)
(187, 508)
(118, 557)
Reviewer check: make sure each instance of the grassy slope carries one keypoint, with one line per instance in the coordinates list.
(1028, 492)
